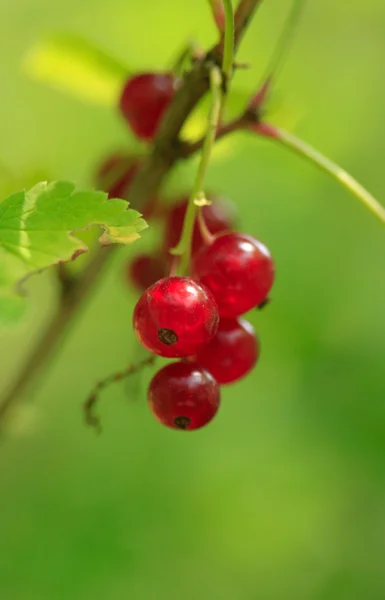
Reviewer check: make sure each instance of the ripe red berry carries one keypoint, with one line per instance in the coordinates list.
(232, 353)
(239, 271)
(144, 100)
(175, 317)
(219, 216)
(183, 395)
(116, 173)
(144, 270)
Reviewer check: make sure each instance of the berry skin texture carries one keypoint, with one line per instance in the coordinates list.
(232, 353)
(239, 271)
(144, 270)
(144, 100)
(116, 173)
(175, 317)
(183, 395)
(219, 216)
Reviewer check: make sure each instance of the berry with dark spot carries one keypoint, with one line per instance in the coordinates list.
(175, 317)
(183, 395)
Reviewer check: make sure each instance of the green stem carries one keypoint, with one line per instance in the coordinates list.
(330, 167)
(228, 44)
(279, 53)
(183, 248)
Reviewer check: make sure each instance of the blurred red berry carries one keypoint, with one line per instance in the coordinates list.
(232, 353)
(144, 270)
(116, 173)
(239, 271)
(183, 395)
(144, 100)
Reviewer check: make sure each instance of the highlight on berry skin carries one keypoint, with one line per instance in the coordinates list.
(239, 271)
(183, 395)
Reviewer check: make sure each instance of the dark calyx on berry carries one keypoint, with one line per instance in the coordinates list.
(264, 303)
(182, 422)
(175, 317)
(167, 336)
(183, 395)
(144, 100)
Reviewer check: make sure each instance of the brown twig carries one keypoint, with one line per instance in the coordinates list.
(69, 304)
(91, 418)
(167, 149)
(190, 148)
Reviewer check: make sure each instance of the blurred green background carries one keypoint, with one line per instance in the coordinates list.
(283, 495)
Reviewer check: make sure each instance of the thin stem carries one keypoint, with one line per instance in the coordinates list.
(184, 246)
(237, 124)
(279, 53)
(189, 51)
(228, 44)
(311, 154)
(207, 236)
(243, 15)
(90, 404)
(218, 13)
(48, 343)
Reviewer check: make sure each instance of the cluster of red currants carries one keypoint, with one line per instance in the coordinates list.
(196, 319)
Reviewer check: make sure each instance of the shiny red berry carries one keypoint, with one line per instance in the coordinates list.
(116, 173)
(232, 353)
(183, 395)
(144, 100)
(219, 216)
(239, 271)
(175, 317)
(144, 270)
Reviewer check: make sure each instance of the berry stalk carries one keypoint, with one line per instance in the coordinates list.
(279, 54)
(228, 47)
(183, 248)
(322, 162)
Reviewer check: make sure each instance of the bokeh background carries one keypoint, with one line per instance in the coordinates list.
(283, 495)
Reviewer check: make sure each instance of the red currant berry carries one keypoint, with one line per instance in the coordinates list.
(184, 396)
(116, 174)
(219, 216)
(144, 100)
(175, 317)
(239, 271)
(232, 353)
(144, 270)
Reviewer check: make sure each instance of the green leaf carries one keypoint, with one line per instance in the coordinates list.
(74, 65)
(36, 231)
